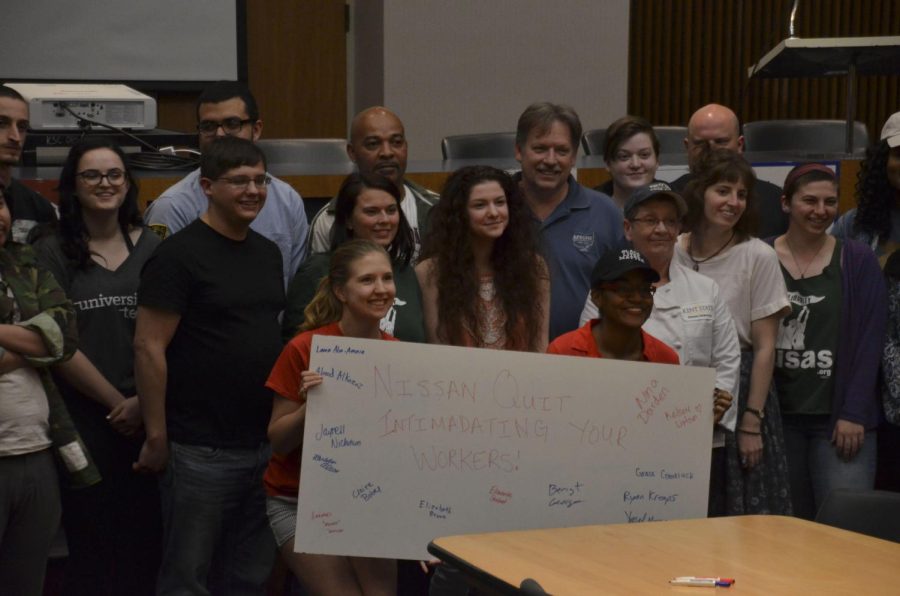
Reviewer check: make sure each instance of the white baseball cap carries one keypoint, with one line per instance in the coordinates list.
(891, 130)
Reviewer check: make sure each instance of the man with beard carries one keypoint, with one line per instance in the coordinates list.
(28, 208)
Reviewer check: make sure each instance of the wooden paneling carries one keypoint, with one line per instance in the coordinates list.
(177, 111)
(686, 53)
(296, 63)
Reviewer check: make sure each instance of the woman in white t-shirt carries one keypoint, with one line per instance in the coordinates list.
(719, 244)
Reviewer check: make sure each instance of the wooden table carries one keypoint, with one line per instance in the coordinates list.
(764, 554)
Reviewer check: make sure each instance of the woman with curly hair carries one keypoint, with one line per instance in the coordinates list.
(876, 219)
(483, 281)
(113, 529)
(719, 243)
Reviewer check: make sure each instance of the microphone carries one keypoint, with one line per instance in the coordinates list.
(791, 22)
(532, 588)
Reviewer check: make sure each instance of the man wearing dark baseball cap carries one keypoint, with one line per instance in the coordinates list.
(622, 289)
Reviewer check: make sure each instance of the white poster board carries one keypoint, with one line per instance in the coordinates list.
(406, 442)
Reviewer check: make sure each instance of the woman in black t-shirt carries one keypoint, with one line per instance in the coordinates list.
(113, 529)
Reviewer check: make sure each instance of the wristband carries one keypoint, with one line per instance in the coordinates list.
(758, 413)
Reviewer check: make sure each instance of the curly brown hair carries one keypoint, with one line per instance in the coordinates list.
(875, 197)
(518, 267)
(716, 166)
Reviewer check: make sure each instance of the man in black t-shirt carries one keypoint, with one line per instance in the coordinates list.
(27, 207)
(716, 127)
(207, 335)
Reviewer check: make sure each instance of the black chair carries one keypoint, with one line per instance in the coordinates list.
(592, 141)
(871, 512)
(803, 136)
(306, 151)
(671, 140)
(486, 145)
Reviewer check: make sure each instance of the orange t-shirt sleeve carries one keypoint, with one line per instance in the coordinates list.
(294, 359)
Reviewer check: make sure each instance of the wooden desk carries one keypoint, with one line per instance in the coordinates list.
(765, 554)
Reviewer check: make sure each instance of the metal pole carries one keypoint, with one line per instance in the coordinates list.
(851, 104)
(791, 32)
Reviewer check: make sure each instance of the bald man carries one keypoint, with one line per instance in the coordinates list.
(715, 126)
(378, 146)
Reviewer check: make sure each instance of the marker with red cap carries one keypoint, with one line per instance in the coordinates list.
(702, 582)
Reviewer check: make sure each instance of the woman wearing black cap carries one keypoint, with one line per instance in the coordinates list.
(622, 288)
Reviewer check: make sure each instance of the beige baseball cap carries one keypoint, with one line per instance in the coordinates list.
(891, 130)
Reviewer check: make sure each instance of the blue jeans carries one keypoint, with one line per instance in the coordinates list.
(815, 467)
(216, 536)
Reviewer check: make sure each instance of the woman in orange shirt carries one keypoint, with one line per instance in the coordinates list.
(350, 302)
(622, 288)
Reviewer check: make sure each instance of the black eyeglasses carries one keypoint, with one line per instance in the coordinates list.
(114, 177)
(231, 126)
(624, 290)
(243, 182)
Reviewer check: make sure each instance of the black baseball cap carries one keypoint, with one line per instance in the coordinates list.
(614, 264)
(652, 191)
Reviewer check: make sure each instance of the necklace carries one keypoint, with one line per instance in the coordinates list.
(811, 261)
(697, 262)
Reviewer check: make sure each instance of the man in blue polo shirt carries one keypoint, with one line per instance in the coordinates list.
(577, 224)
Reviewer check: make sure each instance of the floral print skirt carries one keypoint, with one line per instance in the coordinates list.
(766, 488)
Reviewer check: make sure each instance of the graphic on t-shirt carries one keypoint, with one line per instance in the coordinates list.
(125, 304)
(790, 346)
(792, 332)
(389, 321)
